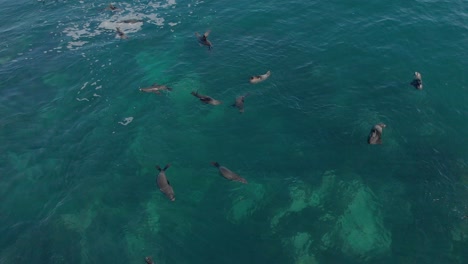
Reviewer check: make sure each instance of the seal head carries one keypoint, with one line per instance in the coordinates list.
(375, 135)
(260, 78)
(149, 260)
(417, 81)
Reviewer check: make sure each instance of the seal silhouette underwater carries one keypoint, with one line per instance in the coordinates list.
(417, 81)
(149, 260)
(375, 135)
(164, 184)
(156, 88)
(203, 39)
(260, 78)
(228, 174)
(239, 103)
(206, 99)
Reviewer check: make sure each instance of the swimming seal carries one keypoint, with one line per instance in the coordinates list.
(206, 99)
(417, 81)
(120, 33)
(260, 78)
(203, 39)
(112, 7)
(156, 88)
(239, 103)
(163, 184)
(228, 174)
(375, 135)
(131, 21)
(149, 260)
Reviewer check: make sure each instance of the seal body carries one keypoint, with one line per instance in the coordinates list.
(149, 260)
(156, 88)
(203, 39)
(228, 174)
(260, 78)
(239, 103)
(206, 99)
(417, 81)
(163, 184)
(375, 135)
(131, 21)
(120, 33)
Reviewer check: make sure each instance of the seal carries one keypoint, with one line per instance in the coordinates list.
(417, 81)
(120, 33)
(228, 174)
(112, 7)
(131, 21)
(260, 78)
(206, 99)
(156, 88)
(163, 184)
(203, 39)
(239, 103)
(375, 135)
(149, 260)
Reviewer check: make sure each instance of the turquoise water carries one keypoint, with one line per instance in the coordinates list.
(80, 142)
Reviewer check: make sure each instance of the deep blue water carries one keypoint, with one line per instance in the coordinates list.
(79, 142)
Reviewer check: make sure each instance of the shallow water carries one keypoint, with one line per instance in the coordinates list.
(80, 142)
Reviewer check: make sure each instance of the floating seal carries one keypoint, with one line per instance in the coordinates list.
(239, 103)
(156, 88)
(375, 135)
(131, 21)
(417, 81)
(163, 184)
(228, 174)
(120, 33)
(203, 39)
(149, 260)
(206, 99)
(260, 78)
(112, 7)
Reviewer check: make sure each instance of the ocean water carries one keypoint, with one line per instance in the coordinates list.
(79, 142)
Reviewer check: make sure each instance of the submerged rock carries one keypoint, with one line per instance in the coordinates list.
(246, 204)
(360, 230)
(351, 216)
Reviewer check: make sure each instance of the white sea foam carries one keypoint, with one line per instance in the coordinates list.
(126, 121)
(144, 13)
(72, 45)
(82, 99)
(84, 85)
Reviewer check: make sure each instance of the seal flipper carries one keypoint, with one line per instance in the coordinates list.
(159, 168)
(167, 167)
(168, 182)
(216, 164)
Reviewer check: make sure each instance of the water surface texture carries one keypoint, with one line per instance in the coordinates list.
(79, 143)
